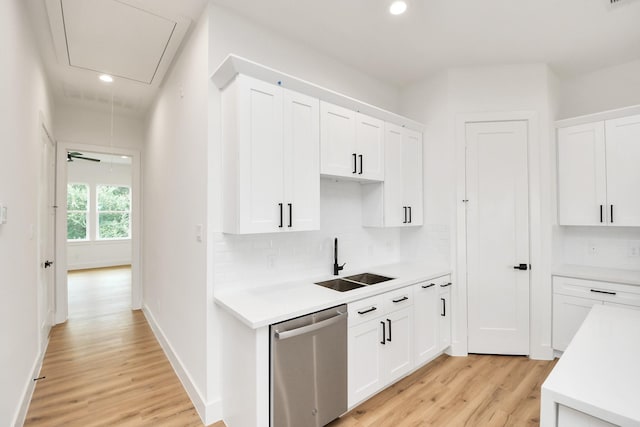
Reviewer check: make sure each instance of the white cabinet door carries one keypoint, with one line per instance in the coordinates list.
(393, 197)
(412, 176)
(569, 417)
(445, 316)
(260, 155)
(301, 162)
(365, 360)
(337, 141)
(581, 175)
(398, 351)
(623, 170)
(568, 314)
(426, 321)
(369, 147)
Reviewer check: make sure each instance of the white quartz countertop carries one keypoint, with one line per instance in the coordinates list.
(264, 305)
(627, 277)
(599, 374)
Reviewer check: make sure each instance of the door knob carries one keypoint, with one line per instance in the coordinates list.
(521, 267)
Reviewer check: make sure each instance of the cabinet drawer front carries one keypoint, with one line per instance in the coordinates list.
(602, 291)
(366, 309)
(398, 299)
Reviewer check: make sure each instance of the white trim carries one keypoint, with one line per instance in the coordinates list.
(62, 305)
(596, 117)
(536, 256)
(21, 414)
(209, 412)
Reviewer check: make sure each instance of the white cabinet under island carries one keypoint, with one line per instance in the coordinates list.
(596, 382)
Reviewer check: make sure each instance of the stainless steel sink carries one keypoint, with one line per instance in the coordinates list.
(368, 278)
(340, 285)
(353, 282)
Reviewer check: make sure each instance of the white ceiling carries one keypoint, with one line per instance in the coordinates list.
(573, 36)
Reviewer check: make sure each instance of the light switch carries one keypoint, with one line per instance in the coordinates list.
(3, 214)
(199, 232)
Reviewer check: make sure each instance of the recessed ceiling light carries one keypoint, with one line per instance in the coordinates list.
(124, 157)
(398, 7)
(106, 78)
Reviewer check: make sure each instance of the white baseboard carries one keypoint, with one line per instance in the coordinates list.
(27, 393)
(98, 264)
(209, 412)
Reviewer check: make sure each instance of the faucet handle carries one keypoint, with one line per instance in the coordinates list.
(340, 267)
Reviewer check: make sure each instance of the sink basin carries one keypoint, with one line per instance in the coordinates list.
(340, 285)
(368, 278)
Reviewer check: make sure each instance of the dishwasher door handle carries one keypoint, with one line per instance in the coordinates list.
(309, 328)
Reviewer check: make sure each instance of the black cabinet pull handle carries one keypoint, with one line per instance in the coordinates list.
(521, 267)
(428, 286)
(602, 292)
(601, 216)
(445, 285)
(368, 310)
(389, 322)
(360, 164)
(409, 214)
(280, 205)
(290, 214)
(355, 163)
(404, 298)
(611, 214)
(405, 215)
(444, 308)
(384, 333)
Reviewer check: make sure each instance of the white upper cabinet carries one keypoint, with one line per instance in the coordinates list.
(352, 144)
(270, 150)
(623, 170)
(398, 201)
(598, 173)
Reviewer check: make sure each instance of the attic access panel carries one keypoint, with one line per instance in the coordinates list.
(109, 36)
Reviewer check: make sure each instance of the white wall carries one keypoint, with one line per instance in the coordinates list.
(174, 202)
(605, 89)
(95, 253)
(439, 101)
(24, 94)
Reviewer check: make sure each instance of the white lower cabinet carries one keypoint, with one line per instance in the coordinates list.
(569, 417)
(574, 298)
(392, 334)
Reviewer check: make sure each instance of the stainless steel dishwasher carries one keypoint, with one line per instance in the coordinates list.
(308, 369)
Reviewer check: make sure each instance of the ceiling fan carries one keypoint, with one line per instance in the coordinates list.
(75, 155)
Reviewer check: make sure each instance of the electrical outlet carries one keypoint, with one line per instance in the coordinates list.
(634, 248)
(592, 249)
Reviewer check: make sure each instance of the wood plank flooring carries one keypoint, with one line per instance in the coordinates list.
(104, 367)
(474, 391)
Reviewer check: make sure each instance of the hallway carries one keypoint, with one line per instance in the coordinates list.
(104, 365)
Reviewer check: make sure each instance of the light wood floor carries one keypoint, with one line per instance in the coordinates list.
(474, 391)
(104, 367)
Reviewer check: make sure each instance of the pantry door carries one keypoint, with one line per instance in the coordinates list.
(497, 194)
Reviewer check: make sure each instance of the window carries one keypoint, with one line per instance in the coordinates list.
(77, 211)
(114, 212)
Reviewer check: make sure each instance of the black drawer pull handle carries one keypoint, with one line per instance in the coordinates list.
(401, 299)
(597, 291)
(384, 333)
(428, 286)
(389, 322)
(368, 311)
(445, 285)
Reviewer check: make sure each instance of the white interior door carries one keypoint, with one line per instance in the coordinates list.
(46, 238)
(497, 237)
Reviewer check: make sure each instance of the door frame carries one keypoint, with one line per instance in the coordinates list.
(62, 292)
(459, 249)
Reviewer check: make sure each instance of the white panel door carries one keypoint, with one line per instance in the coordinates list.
(370, 147)
(365, 360)
(393, 177)
(412, 172)
(337, 141)
(261, 156)
(582, 175)
(301, 162)
(497, 237)
(623, 170)
(568, 314)
(426, 321)
(398, 351)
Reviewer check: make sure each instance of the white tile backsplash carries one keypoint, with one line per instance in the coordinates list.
(262, 259)
(606, 247)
